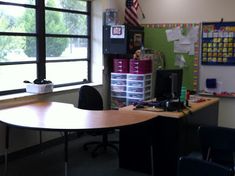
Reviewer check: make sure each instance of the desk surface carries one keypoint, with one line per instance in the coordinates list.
(193, 108)
(63, 116)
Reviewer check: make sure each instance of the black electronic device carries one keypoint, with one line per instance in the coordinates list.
(211, 83)
(168, 84)
(166, 105)
(174, 106)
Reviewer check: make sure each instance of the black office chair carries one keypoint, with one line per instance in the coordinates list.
(90, 99)
(188, 166)
(217, 145)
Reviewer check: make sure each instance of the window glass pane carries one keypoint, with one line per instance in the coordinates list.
(68, 19)
(66, 48)
(65, 23)
(17, 19)
(15, 48)
(67, 72)
(68, 4)
(12, 76)
(31, 2)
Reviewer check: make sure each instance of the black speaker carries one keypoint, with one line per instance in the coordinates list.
(132, 38)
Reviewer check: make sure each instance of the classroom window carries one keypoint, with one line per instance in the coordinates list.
(45, 39)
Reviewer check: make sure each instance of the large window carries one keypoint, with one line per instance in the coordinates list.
(44, 39)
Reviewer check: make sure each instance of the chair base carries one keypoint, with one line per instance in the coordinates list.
(101, 145)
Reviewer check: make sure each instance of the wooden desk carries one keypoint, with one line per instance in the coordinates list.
(65, 117)
(171, 135)
(194, 107)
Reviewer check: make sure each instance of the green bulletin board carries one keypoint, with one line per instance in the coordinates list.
(155, 38)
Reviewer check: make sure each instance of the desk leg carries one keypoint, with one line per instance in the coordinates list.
(40, 141)
(6, 149)
(65, 153)
(152, 160)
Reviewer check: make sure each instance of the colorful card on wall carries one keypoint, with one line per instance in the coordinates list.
(218, 43)
(117, 32)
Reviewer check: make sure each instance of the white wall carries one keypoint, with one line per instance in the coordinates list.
(187, 11)
(183, 11)
(97, 56)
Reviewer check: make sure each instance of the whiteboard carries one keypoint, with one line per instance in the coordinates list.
(225, 75)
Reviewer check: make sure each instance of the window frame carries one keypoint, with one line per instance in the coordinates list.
(40, 35)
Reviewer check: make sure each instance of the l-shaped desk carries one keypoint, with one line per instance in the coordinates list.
(149, 141)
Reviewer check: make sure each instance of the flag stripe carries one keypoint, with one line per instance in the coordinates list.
(131, 17)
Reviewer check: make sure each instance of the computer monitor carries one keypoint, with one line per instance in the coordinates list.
(168, 84)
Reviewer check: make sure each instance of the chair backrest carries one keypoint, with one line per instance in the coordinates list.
(188, 166)
(217, 144)
(89, 98)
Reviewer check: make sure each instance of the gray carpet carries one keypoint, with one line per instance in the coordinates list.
(50, 162)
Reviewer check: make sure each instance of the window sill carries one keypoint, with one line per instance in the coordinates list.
(24, 98)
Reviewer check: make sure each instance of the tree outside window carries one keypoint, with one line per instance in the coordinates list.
(66, 42)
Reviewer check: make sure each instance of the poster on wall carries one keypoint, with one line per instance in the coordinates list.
(218, 43)
(117, 32)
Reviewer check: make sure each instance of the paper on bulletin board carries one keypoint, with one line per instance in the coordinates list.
(181, 48)
(180, 61)
(173, 34)
(191, 49)
(184, 48)
(186, 43)
(193, 34)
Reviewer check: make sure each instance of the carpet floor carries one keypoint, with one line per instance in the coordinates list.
(50, 162)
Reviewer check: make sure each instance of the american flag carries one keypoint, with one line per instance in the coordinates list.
(131, 17)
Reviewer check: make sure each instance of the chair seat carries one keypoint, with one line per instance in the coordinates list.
(218, 145)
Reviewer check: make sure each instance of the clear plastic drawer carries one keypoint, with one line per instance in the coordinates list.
(118, 76)
(118, 94)
(135, 84)
(118, 88)
(118, 82)
(139, 77)
(139, 89)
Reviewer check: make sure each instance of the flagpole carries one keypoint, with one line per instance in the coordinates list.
(142, 12)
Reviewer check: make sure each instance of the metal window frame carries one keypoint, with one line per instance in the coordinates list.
(41, 35)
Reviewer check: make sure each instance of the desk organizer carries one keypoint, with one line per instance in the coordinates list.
(140, 66)
(121, 65)
(39, 88)
(129, 88)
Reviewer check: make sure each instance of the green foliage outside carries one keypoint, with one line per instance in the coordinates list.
(8, 43)
(56, 23)
(29, 25)
(74, 23)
